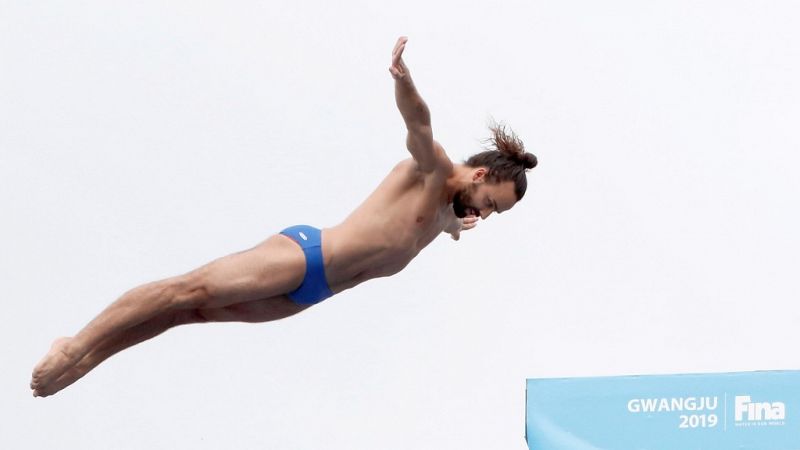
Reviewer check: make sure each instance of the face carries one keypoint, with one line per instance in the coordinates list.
(482, 198)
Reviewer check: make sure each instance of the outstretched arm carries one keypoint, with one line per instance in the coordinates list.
(414, 111)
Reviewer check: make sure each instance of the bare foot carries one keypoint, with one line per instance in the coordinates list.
(70, 376)
(53, 365)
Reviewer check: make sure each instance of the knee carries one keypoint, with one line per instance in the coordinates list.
(190, 316)
(189, 291)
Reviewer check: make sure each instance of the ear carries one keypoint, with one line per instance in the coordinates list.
(479, 174)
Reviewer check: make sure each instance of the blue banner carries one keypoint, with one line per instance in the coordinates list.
(729, 411)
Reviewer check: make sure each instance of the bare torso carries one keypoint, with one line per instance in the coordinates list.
(407, 211)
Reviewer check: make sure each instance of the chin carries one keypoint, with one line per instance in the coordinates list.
(459, 209)
(460, 206)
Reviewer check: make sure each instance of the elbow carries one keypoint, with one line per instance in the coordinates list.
(422, 113)
(415, 113)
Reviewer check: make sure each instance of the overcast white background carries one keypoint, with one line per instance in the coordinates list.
(141, 140)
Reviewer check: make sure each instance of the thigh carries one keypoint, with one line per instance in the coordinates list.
(272, 268)
(262, 310)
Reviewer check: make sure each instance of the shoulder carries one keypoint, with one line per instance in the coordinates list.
(441, 164)
(441, 167)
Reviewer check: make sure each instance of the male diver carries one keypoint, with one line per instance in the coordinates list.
(288, 272)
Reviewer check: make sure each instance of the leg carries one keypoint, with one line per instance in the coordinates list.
(255, 311)
(272, 268)
(262, 310)
(120, 341)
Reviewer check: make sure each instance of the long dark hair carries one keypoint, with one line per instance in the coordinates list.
(505, 159)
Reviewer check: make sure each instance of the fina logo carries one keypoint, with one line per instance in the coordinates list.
(749, 411)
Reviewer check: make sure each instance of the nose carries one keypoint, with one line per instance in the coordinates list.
(485, 213)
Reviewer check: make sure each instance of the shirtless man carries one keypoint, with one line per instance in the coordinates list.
(420, 198)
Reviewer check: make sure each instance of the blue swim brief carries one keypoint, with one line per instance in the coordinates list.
(314, 288)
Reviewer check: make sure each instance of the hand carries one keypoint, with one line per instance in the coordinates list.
(398, 68)
(467, 223)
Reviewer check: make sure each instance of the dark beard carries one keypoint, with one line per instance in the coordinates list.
(460, 204)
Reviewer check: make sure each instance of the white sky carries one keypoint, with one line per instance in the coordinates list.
(139, 140)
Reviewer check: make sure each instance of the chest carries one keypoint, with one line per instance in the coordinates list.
(417, 233)
(427, 223)
(415, 209)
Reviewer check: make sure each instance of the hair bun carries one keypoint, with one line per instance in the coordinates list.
(528, 160)
(510, 145)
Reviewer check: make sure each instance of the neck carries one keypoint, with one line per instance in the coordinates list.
(461, 177)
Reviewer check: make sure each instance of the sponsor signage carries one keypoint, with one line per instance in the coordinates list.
(727, 411)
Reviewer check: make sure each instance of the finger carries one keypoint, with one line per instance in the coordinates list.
(398, 55)
(399, 46)
(400, 41)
